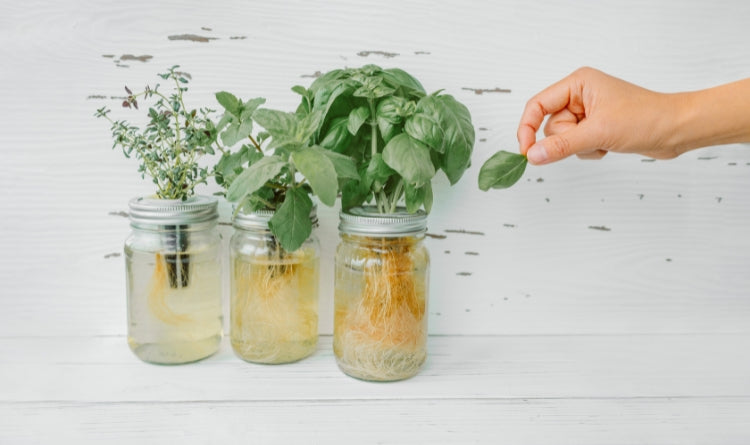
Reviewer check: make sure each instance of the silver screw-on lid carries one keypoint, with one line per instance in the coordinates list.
(258, 220)
(151, 211)
(366, 220)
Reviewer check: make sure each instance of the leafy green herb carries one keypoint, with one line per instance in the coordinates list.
(171, 143)
(281, 167)
(502, 170)
(397, 134)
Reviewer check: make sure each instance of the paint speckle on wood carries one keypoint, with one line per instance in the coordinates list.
(719, 199)
(483, 140)
(435, 236)
(510, 226)
(121, 213)
(108, 56)
(205, 28)
(539, 179)
(546, 199)
(386, 54)
(732, 163)
(669, 260)
(112, 255)
(422, 53)
(143, 58)
(600, 228)
(96, 96)
(706, 158)
(640, 196)
(471, 253)
(482, 128)
(468, 310)
(119, 65)
(314, 75)
(237, 37)
(447, 252)
(191, 38)
(464, 232)
(648, 160)
(480, 91)
(463, 274)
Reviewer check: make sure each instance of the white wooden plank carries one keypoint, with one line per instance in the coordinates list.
(522, 421)
(103, 370)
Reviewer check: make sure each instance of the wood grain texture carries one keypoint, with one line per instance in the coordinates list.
(595, 302)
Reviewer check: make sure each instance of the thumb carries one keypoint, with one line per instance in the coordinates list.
(560, 146)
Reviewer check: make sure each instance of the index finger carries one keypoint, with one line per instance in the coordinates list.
(552, 99)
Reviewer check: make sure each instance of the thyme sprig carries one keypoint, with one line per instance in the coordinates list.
(172, 142)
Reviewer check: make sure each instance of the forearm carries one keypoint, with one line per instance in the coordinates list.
(715, 116)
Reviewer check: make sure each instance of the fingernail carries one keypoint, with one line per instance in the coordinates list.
(537, 154)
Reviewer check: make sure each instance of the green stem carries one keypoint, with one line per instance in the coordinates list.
(397, 195)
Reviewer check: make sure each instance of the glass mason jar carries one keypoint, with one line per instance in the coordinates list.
(274, 293)
(173, 265)
(380, 294)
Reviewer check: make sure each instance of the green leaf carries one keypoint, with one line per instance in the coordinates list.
(426, 130)
(399, 78)
(427, 197)
(414, 197)
(502, 170)
(357, 117)
(344, 165)
(319, 171)
(455, 120)
(410, 158)
(248, 108)
(229, 101)
(338, 137)
(254, 177)
(377, 172)
(276, 122)
(291, 222)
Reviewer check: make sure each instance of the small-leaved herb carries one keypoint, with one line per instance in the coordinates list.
(502, 170)
(171, 143)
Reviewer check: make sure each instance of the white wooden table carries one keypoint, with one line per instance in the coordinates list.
(594, 303)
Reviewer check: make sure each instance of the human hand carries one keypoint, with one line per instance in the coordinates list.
(592, 113)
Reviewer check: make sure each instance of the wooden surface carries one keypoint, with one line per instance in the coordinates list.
(595, 302)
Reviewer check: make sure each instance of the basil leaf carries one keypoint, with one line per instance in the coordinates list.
(291, 222)
(254, 177)
(399, 78)
(426, 130)
(338, 137)
(410, 158)
(357, 117)
(414, 197)
(502, 170)
(319, 171)
(377, 172)
(455, 120)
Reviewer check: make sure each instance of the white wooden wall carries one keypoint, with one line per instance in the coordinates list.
(602, 251)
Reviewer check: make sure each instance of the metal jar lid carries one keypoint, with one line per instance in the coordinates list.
(258, 220)
(366, 220)
(149, 211)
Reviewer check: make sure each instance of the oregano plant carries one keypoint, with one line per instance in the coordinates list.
(279, 168)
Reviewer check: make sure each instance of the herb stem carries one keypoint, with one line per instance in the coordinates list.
(397, 195)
